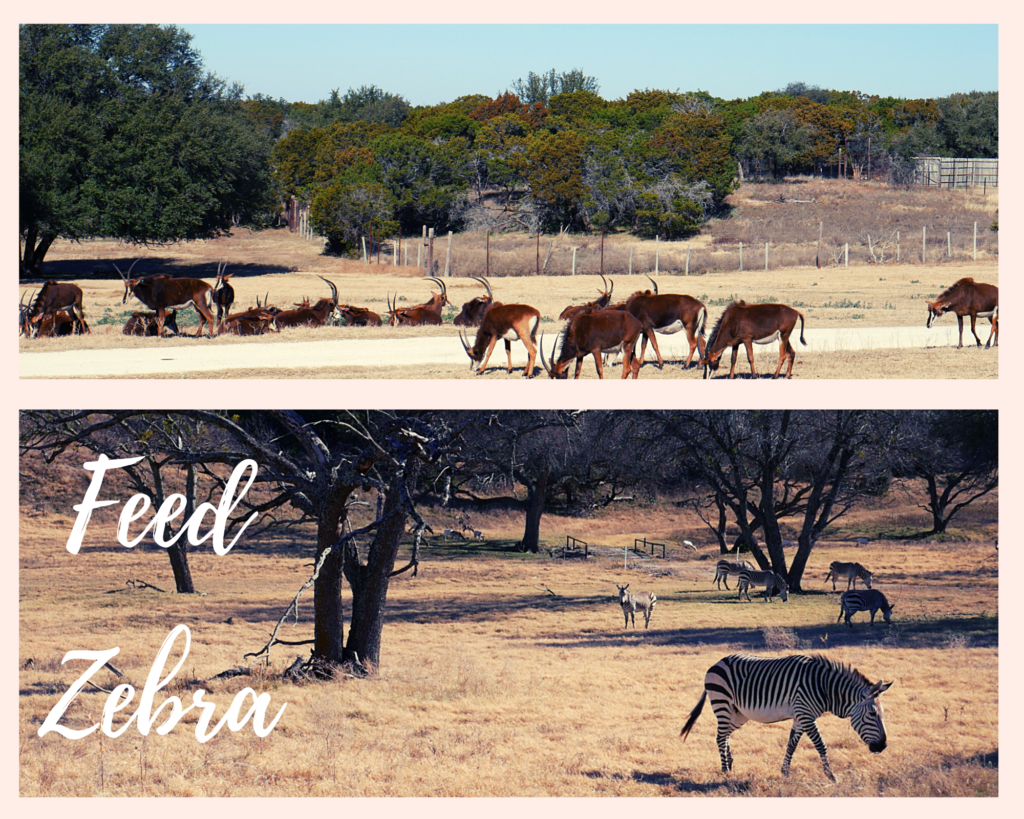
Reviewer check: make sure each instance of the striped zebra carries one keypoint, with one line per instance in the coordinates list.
(799, 687)
(864, 600)
(724, 568)
(838, 570)
(772, 582)
(632, 603)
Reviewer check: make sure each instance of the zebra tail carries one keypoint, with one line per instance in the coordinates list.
(693, 715)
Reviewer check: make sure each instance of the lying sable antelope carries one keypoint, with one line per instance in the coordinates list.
(358, 316)
(600, 303)
(52, 299)
(162, 293)
(427, 313)
(668, 313)
(507, 322)
(473, 310)
(223, 295)
(968, 298)
(252, 322)
(145, 324)
(316, 316)
(593, 333)
(750, 324)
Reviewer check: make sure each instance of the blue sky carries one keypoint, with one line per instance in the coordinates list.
(429, 64)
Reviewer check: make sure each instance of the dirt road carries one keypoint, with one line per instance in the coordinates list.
(164, 361)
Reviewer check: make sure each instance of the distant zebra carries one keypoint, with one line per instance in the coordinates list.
(838, 570)
(864, 600)
(798, 687)
(724, 568)
(770, 580)
(631, 603)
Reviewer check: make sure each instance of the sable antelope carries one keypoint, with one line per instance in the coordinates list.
(592, 333)
(358, 316)
(668, 313)
(145, 324)
(315, 316)
(223, 295)
(162, 293)
(473, 310)
(507, 322)
(600, 303)
(427, 313)
(968, 298)
(750, 324)
(53, 298)
(252, 322)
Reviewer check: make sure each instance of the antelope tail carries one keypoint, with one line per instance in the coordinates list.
(802, 329)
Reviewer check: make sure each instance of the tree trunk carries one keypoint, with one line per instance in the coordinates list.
(534, 511)
(178, 553)
(328, 611)
(35, 251)
(370, 591)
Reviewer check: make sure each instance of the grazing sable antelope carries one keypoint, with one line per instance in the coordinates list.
(427, 313)
(595, 332)
(507, 322)
(968, 298)
(668, 313)
(600, 303)
(316, 316)
(473, 311)
(53, 298)
(750, 324)
(145, 324)
(358, 316)
(162, 293)
(223, 295)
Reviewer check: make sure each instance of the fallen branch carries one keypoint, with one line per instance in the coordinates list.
(142, 584)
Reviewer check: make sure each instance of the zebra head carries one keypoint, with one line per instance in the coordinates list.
(623, 594)
(887, 612)
(866, 717)
(782, 587)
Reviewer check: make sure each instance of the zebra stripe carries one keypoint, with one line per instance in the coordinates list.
(864, 600)
(838, 570)
(771, 581)
(798, 687)
(724, 568)
(632, 603)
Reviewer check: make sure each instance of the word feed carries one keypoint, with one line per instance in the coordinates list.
(171, 508)
(145, 717)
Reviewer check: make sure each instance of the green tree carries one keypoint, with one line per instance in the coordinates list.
(773, 142)
(555, 176)
(122, 133)
(539, 88)
(350, 208)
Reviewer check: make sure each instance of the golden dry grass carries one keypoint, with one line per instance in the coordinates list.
(511, 675)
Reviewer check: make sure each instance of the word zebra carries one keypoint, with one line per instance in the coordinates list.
(773, 584)
(871, 600)
(631, 603)
(724, 568)
(798, 687)
(850, 571)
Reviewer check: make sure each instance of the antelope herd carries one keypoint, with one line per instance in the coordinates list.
(599, 328)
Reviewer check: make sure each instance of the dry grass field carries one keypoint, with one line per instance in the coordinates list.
(287, 267)
(504, 674)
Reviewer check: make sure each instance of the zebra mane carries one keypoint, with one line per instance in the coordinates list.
(718, 324)
(956, 285)
(844, 669)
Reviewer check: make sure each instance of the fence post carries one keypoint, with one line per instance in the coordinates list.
(687, 260)
(602, 251)
(448, 257)
(631, 253)
(363, 240)
(846, 255)
(537, 269)
(657, 254)
(487, 256)
(395, 246)
(430, 252)
(949, 244)
(574, 261)
(897, 247)
(924, 244)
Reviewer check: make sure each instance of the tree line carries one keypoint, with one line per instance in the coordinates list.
(740, 471)
(123, 133)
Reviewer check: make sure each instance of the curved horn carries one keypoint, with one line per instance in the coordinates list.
(444, 291)
(334, 290)
(543, 361)
(484, 282)
(655, 285)
(605, 282)
(467, 348)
